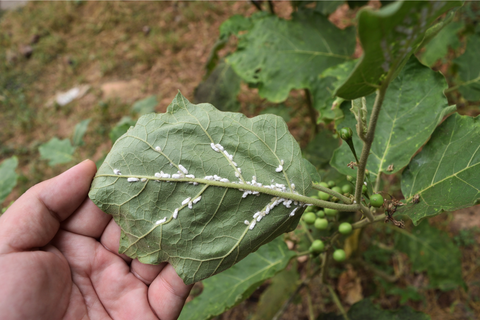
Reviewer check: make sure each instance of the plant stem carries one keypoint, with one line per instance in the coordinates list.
(309, 235)
(270, 6)
(337, 302)
(311, 315)
(363, 223)
(369, 139)
(311, 111)
(323, 273)
(367, 212)
(352, 148)
(332, 193)
(304, 253)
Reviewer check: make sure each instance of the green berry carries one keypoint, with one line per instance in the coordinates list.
(344, 227)
(323, 184)
(309, 217)
(321, 224)
(331, 183)
(337, 189)
(349, 178)
(321, 214)
(339, 255)
(364, 189)
(376, 200)
(309, 209)
(323, 196)
(346, 133)
(347, 188)
(330, 212)
(317, 246)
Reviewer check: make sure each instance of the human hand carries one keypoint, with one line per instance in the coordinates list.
(59, 260)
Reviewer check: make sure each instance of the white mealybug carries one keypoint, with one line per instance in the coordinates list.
(158, 148)
(239, 170)
(117, 172)
(184, 202)
(158, 175)
(234, 163)
(208, 178)
(143, 179)
(365, 182)
(230, 157)
(279, 168)
(197, 199)
(259, 218)
(219, 147)
(175, 214)
(213, 147)
(195, 183)
(190, 205)
(161, 221)
(166, 175)
(292, 186)
(183, 169)
(246, 222)
(246, 193)
(217, 178)
(176, 176)
(190, 176)
(133, 179)
(282, 162)
(224, 180)
(256, 214)
(237, 174)
(254, 178)
(252, 225)
(293, 212)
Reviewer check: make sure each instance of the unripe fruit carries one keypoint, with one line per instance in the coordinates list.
(337, 189)
(344, 227)
(309, 209)
(330, 212)
(364, 189)
(349, 178)
(376, 200)
(331, 183)
(323, 196)
(324, 184)
(321, 224)
(321, 214)
(346, 133)
(347, 188)
(317, 246)
(339, 255)
(309, 217)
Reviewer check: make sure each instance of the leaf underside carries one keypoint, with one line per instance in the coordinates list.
(446, 173)
(226, 290)
(219, 230)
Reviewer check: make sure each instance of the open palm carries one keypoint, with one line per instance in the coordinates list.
(59, 260)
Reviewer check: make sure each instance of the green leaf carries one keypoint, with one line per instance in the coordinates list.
(438, 47)
(8, 177)
(320, 149)
(220, 88)
(120, 128)
(56, 151)
(280, 110)
(280, 55)
(234, 285)
(212, 236)
(365, 309)
(432, 250)
(79, 132)
(272, 299)
(145, 106)
(414, 105)
(234, 24)
(389, 36)
(445, 174)
(469, 72)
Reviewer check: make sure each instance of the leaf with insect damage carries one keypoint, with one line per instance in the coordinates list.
(201, 188)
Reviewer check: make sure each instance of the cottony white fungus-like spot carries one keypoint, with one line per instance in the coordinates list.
(133, 179)
(161, 221)
(197, 199)
(175, 214)
(117, 172)
(184, 202)
(158, 148)
(183, 169)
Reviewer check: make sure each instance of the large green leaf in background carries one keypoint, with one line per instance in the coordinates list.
(438, 47)
(468, 72)
(79, 132)
(146, 105)
(280, 55)
(220, 88)
(56, 151)
(388, 37)
(212, 236)
(446, 173)
(234, 285)
(366, 310)
(414, 105)
(431, 250)
(8, 177)
(120, 128)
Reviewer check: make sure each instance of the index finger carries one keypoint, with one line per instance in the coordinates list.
(33, 220)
